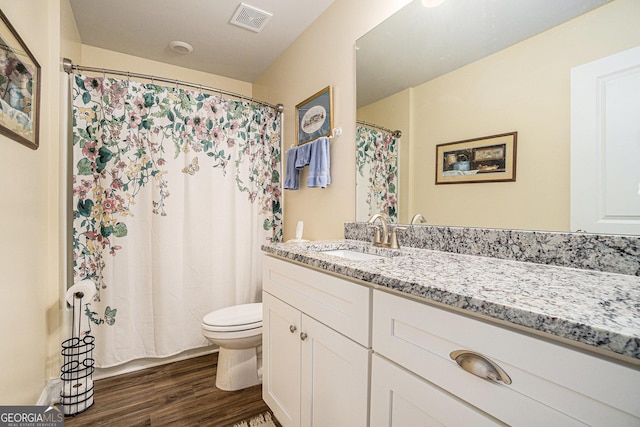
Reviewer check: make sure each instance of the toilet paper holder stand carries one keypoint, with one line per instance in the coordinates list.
(77, 369)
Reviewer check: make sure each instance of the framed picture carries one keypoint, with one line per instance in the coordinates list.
(486, 159)
(19, 88)
(315, 116)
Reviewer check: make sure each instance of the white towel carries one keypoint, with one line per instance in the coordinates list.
(319, 164)
(291, 180)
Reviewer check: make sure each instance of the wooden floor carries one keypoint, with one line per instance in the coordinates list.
(178, 394)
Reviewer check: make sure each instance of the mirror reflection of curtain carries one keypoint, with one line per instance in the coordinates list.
(174, 191)
(376, 173)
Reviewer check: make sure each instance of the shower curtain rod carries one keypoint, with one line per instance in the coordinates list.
(69, 68)
(395, 133)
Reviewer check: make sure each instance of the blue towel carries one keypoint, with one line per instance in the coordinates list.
(291, 181)
(319, 164)
(304, 155)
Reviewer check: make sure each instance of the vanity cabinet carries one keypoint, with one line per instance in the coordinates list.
(340, 353)
(414, 376)
(316, 346)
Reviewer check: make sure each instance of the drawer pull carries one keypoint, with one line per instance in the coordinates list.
(303, 336)
(293, 328)
(480, 366)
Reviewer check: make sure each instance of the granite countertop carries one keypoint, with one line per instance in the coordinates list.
(598, 309)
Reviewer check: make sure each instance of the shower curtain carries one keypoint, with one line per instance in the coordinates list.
(377, 173)
(174, 191)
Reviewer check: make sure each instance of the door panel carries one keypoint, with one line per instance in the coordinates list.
(281, 359)
(605, 145)
(335, 378)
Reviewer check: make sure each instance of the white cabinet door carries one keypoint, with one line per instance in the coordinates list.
(400, 398)
(335, 378)
(605, 144)
(281, 360)
(312, 375)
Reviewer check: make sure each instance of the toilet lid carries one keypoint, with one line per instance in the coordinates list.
(248, 315)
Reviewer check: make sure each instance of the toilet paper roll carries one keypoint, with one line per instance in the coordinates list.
(77, 395)
(77, 389)
(85, 290)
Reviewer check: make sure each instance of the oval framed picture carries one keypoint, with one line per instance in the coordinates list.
(315, 116)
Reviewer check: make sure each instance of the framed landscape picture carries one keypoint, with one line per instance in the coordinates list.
(485, 159)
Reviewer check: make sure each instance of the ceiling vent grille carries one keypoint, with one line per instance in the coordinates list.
(250, 18)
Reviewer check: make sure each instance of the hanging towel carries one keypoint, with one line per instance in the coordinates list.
(291, 181)
(319, 164)
(303, 157)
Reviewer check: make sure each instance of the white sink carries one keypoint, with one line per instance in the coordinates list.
(353, 255)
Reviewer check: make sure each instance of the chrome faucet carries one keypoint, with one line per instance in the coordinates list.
(386, 239)
(418, 217)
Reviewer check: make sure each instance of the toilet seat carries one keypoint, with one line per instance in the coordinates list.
(244, 317)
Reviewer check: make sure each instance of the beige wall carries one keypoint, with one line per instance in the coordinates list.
(30, 193)
(525, 88)
(101, 58)
(324, 55)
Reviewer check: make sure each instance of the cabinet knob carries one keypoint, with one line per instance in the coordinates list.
(303, 336)
(293, 328)
(480, 365)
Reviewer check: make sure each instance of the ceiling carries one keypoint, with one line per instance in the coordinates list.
(144, 28)
(418, 44)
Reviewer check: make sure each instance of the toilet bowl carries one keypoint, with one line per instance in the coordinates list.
(237, 330)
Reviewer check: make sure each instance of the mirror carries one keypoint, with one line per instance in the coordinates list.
(469, 69)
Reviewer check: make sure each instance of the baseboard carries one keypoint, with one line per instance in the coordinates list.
(51, 393)
(136, 365)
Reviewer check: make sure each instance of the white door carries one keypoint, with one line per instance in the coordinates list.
(335, 378)
(281, 359)
(605, 145)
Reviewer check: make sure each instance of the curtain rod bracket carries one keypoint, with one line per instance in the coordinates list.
(67, 65)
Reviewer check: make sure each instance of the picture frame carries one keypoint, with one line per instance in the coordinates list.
(314, 116)
(486, 159)
(19, 88)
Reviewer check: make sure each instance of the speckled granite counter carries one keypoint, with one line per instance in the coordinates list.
(601, 310)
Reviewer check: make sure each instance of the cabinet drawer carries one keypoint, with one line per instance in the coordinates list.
(342, 305)
(550, 382)
(400, 398)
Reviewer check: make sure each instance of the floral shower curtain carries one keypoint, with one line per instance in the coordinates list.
(174, 191)
(377, 173)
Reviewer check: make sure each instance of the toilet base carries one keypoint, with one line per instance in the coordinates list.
(238, 368)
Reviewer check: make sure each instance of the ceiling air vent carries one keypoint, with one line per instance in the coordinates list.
(250, 18)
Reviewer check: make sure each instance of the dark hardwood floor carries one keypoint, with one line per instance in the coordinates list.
(177, 394)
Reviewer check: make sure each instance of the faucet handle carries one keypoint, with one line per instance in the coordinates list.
(393, 239)
(418, 218)
(377, 239)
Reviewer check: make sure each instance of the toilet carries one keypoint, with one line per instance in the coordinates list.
(237, 330)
